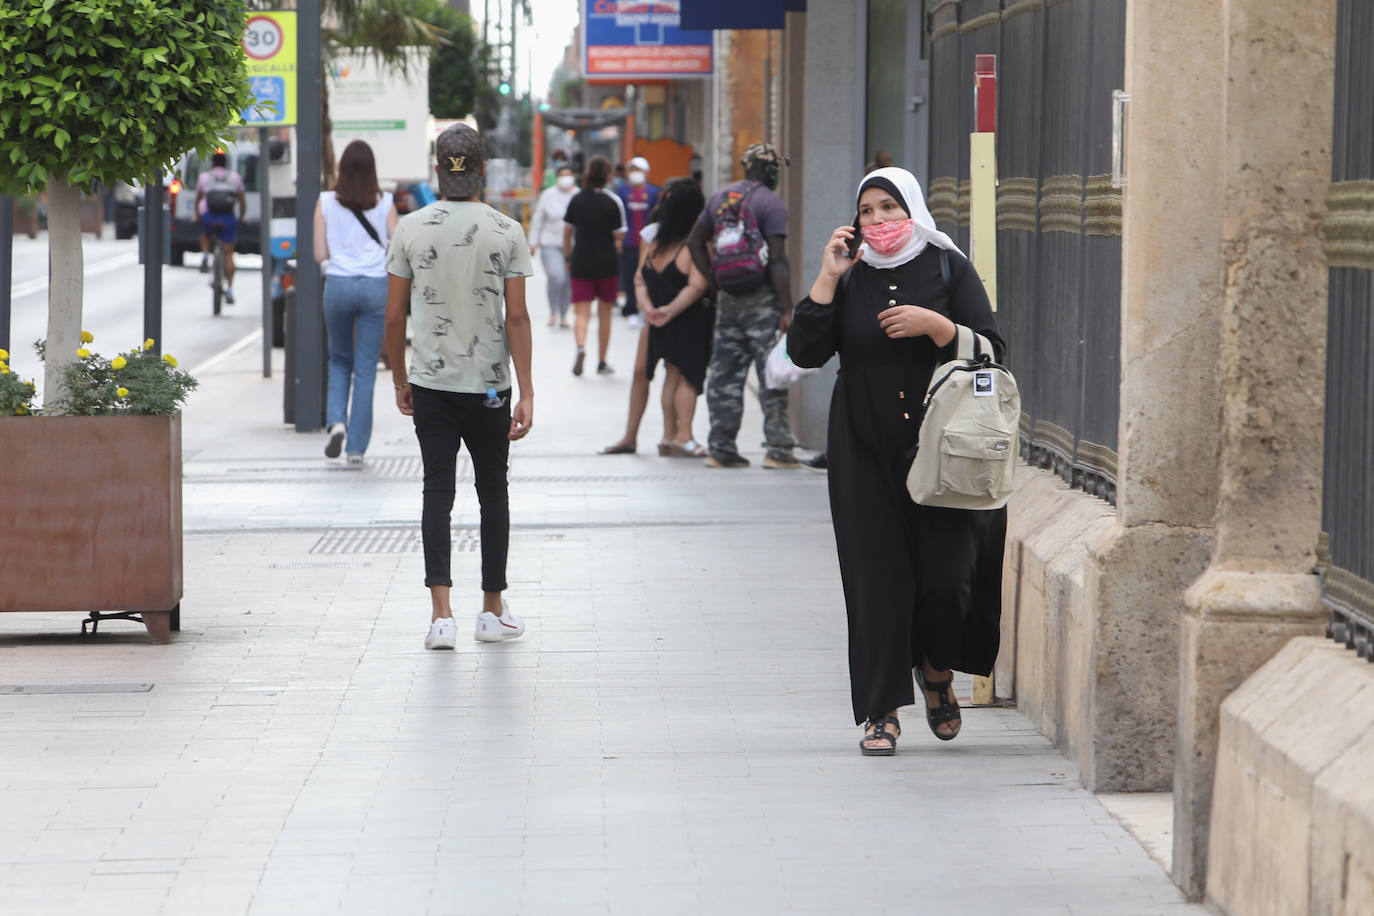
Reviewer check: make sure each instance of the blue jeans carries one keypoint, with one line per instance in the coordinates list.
(354, 314)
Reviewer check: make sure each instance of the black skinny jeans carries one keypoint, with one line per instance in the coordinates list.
(444, 420)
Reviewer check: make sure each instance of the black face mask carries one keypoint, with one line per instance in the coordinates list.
(768, 177)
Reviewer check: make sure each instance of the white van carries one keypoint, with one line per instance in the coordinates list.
(243, 158)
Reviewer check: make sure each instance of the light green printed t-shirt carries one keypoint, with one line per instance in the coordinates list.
(458, 255)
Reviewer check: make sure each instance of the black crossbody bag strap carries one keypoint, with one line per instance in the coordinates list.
(371, 229)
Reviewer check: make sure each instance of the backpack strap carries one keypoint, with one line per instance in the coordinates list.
(738, 206)
(971, 345)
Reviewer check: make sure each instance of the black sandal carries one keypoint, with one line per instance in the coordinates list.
(947, 711)
(881, 733)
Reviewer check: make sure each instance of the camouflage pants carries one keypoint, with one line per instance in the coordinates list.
(746, 330)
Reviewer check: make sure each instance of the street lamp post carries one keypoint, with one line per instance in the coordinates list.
(307, 343)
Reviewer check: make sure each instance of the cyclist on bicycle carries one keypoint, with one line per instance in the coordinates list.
(217, 190)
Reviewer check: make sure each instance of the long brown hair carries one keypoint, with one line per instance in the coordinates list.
(356, 186)
(598, 173)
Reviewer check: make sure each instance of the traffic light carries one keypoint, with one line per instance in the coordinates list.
(504, 88)
(544, 106)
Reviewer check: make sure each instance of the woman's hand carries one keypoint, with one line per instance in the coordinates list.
(657, 318)
(916, 321)
(835, 260)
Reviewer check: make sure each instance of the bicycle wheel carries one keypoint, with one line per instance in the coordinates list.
(217, 276)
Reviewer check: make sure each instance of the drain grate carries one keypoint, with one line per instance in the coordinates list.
(377, 539)
(74, 688)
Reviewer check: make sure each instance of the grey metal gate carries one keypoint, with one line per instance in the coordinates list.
(1059, 218)
(1348, 494)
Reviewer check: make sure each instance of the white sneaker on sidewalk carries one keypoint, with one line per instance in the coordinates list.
(491, 628)
(443, 634)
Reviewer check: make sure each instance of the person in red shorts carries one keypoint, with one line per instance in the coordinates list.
(591, 243)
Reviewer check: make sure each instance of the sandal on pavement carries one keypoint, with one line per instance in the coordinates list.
(665, 448)
(947, 711)
(617, 449)
(880, 733)
(689, 449)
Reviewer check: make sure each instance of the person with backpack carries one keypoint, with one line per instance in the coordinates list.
(353, 224)
(922, 584)
(219, 192)
(738, 244)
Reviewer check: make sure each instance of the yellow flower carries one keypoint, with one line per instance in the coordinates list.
(22, 411)
(170, 360)
(118, 362)
(4, 370)
(148, 344)
(122, 392)
(87, 337)
(83, 353)
(4, 356)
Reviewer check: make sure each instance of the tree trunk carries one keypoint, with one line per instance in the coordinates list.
(327, 161)
(65, 274)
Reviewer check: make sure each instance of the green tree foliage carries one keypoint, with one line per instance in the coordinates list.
(462, 69)
(103, 90)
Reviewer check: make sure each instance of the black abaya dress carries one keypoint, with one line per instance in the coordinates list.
(918, 581)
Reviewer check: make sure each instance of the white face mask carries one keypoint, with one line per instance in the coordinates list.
(636, 177)
(566, 182)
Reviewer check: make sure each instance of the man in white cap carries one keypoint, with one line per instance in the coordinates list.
(639, 198)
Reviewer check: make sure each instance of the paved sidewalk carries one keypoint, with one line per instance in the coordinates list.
(672, 734)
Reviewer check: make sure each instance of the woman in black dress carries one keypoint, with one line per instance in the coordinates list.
(922, 585)
(669, 290)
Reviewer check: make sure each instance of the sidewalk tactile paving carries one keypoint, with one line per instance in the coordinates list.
(386, 540)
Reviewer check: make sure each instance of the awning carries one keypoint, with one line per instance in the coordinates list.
(733, 14)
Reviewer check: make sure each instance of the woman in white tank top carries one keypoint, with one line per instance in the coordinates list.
(353, 225)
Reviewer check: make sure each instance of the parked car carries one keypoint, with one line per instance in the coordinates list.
(128, 197)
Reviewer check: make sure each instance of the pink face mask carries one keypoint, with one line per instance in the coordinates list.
(889, 237)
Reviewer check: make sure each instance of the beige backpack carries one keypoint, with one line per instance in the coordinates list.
(968, 442)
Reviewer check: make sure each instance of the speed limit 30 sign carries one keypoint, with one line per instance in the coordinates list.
(263, 37)
(269, 42)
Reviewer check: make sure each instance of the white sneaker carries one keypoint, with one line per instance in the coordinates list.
(491, 628)
(443, 634)
(635, 321)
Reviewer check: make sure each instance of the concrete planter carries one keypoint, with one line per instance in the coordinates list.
(90, 516)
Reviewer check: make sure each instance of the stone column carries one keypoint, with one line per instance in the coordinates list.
(833, 137)
(1167, 474)
(1259, 590)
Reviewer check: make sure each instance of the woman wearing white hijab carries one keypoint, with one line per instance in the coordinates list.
(922, 585)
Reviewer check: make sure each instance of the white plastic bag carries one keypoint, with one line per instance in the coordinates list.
(779, 371)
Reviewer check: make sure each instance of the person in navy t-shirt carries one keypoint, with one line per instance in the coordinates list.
(640, 197)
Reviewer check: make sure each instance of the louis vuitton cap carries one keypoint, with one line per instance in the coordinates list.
(459, 153)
